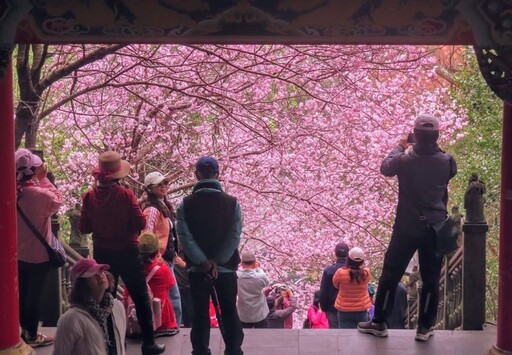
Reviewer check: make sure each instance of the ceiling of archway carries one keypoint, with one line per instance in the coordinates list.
(255, 21)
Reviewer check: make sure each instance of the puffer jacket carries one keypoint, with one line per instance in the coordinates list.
(352, 296)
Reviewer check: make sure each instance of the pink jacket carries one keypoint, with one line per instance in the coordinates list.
(38, 203)
(157, 223)
(317, 318)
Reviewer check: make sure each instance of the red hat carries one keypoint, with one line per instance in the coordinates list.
(85, 268)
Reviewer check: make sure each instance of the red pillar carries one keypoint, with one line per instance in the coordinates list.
(504, 341)
(9, 318)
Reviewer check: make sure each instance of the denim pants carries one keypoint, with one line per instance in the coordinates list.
(349, 320)
(174, 295)
(226, 286)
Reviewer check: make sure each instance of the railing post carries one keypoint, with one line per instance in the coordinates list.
(473, 279)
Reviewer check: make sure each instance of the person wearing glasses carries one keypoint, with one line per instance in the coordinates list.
(160, 220)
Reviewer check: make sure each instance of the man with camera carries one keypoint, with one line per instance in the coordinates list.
(281, 305)
(251, 304)
(423, 174)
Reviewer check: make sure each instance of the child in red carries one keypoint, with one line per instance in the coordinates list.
(160, 283)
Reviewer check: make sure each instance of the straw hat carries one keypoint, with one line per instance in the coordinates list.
(111, 166)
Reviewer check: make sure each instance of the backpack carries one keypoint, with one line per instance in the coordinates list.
(132, 323)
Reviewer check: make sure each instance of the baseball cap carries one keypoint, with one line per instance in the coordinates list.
(207, 164)
(25, 161)
(154, 178)
(426, 123)
(148, 243)
(248, 258)
(341, 249)
(356, 254)
(85, 268)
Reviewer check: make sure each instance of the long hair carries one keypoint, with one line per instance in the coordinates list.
(357, 273)
(165, 207)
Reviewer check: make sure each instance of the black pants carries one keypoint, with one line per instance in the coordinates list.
(257, 325)
(32, 278)
(187, 310)
(400, 251)
(226, 286)
(128, 264)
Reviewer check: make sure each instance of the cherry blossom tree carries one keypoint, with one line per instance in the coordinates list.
(299, 132)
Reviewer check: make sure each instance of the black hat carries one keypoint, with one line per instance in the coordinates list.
(207, 164)
(341, 249)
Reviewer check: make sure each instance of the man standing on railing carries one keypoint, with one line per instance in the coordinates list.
(423, 174)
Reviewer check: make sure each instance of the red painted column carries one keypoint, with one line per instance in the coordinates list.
(9, 318)
(504, 341)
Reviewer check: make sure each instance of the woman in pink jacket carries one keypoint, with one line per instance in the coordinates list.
(317, 318)
(160, 220)
(38, 200)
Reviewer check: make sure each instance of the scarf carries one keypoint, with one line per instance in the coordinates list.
(100, 312)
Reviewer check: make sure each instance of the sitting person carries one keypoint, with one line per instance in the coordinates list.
(96, 322)
(161, 281)
(317, 318)
(353, 300)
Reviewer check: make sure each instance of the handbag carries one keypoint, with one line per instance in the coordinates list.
(445, 231)
(56, 252)
(446, 236)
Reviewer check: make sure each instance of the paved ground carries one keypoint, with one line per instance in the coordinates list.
(331, 342)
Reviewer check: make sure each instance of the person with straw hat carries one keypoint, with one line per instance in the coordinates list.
(111, 213)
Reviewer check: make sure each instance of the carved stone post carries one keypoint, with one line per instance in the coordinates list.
(473, 271)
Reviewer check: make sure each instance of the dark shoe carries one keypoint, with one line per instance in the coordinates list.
(423, 334)
(167, 332)
(153, 349)
(377, 329)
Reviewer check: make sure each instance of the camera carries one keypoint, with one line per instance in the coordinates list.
(411, 139)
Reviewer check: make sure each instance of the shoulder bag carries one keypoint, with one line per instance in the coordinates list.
(56, 252)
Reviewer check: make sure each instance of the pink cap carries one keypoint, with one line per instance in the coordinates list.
(25, 161)
(85, 268)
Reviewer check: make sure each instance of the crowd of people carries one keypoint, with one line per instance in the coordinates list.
(176, 266)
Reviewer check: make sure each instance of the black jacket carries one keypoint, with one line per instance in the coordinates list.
(423, 175)
(328, 292)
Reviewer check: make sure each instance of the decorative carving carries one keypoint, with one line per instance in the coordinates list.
(496, 67)
(497, 15)
(338, 21)
(474, 200)
(76, 238)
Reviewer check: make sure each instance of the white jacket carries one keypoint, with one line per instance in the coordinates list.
(78, 333)
(252, 304)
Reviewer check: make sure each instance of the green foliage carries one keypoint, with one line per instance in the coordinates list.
(480, 152)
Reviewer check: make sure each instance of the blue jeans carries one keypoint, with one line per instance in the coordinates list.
(349, 320)
(174, 295)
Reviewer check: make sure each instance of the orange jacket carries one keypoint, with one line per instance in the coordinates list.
(352, 296)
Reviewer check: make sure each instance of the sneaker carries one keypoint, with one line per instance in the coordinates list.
(167, 332)
(377, 329)
(39, 340)
(423, 334)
